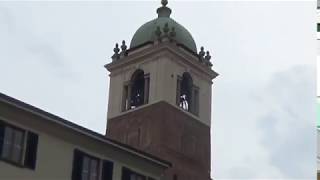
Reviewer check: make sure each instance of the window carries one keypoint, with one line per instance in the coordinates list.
(12, 144)
(18, 146)
(187, 94)
(128, 174)
(136, 91)
(87, 167)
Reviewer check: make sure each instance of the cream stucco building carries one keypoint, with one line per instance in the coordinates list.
(37, 145)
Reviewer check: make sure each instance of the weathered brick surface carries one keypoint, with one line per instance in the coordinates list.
(166, 132)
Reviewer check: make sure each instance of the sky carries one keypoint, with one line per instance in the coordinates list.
(264, 100)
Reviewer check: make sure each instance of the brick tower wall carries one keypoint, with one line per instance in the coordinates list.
(168, 133)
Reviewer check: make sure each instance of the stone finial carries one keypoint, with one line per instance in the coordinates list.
(172, 32)
(164, 2)
(166, 28)
(123, 46)
(116, 50)
(207, 58)
(158, 32)
(201, 54)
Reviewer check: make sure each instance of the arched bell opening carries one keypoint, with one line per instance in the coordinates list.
(186, 91)
(136, 91)
(187, 94)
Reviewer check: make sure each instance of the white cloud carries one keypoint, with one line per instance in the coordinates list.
(286, 128)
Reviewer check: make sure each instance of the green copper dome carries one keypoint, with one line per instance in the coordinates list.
(147, 31)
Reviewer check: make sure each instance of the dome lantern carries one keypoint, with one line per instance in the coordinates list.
(164, 11)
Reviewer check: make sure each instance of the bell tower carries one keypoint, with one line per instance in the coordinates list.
(160, 96)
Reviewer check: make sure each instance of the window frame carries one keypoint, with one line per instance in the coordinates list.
(24, 146)
(10, 157)
(99, 168)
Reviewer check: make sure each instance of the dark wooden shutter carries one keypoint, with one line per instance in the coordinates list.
(143, 177)
(31, 151)
(107, 170)
(1, 136)
(77, 165)
(125, 174)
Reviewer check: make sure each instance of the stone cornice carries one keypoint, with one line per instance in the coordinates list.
(169, 49)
